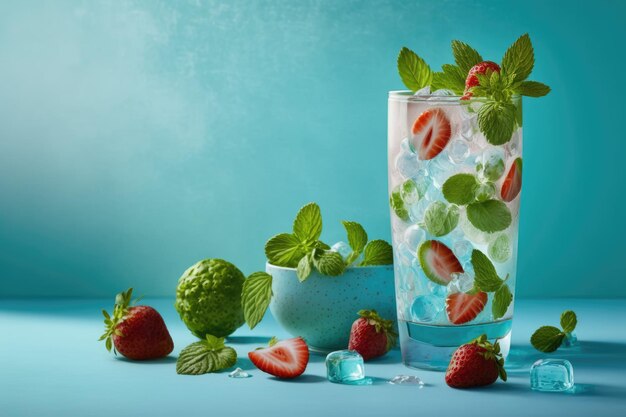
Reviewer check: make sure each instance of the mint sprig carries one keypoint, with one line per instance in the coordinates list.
(414, 71)
(357, 238)
(489, 216)
(328, 262)
(465, 56)
(209, 355)
(460, 189)
(256, 295)
(377, 252)
(486, 279)
(440, 219)
(549, 338)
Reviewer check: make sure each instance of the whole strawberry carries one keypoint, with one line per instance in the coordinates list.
(482, 68)
(137, 332)
(371, 335)
(475, 364)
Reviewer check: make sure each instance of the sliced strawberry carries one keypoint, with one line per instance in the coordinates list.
(512, 184)
(463, 307)
(285, 359)
(431, 133)
(438, 262)
(472, 80)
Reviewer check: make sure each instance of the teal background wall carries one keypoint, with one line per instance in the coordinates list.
(137, 137)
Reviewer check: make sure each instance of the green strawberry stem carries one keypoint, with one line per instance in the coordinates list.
(122, 301)
(381, 325)
(492, 351)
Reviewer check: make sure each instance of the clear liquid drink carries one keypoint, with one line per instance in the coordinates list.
(454, 200)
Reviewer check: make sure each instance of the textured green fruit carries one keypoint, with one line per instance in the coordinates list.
(208, 298)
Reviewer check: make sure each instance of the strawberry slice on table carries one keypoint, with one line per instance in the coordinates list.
(284, 359)
(472, 79)
(464, 307)
(438, 262)
(512, 184)
(474, 364)
(431, 133)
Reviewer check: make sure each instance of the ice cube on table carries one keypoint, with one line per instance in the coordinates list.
(407, 380)
(239, 373)
(425, 308)
(458, 151)
(346, 367)
(552, 375)
(342, 248)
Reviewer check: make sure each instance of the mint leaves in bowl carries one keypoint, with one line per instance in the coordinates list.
(314, 291)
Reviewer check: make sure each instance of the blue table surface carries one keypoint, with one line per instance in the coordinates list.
(51, 364)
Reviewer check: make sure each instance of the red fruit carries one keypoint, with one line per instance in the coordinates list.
(371, 335)
(512, 184)
(475, 364)
(286, 359)
(463, 307)
(137, 332)
(431, 133)
(438, 262)
(472, 79)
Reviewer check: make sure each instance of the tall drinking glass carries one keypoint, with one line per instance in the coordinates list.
(454, 199)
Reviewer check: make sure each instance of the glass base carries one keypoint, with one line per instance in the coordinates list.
(431, 347)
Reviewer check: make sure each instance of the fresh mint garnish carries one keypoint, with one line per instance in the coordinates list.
(397, 205)
(549, 338)
(377, 252)
(568, 321)
(519, 59)
(440, 219)
(328, 262)
(450, 78)
(486, 279)
(532, 89)
(285, 250)
(209, 355)
(460, 189)
(305, 267)
(415, 73)
(256, 295)
(465, 56)
(489, 215)
(496, 119)
(357, 238)
(307, 226)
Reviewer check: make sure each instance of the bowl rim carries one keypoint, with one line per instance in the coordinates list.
(286, 268)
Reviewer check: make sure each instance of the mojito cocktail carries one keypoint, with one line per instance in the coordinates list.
(455, 178)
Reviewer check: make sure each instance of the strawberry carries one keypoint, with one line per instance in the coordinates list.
(431, 133)
(438, 262)
(371, 335)
(512, 184)
(137, 332)
(285, 359)
(475, 364)
(472, 80)
(463, 307)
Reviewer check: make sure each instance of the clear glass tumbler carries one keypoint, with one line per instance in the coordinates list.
(454, 200)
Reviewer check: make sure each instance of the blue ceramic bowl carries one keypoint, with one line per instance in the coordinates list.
(322, 309)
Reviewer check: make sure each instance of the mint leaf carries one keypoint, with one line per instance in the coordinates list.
(304, 267)
(496, 120)
(532, 89)
(441, 219)
(255, 297)
(465, 56)
(486, 277)
(307, 226)
(328, 262)
(284, 250)
(377, 252)
(397, 205)
(489, 215)
(519, 59)
(209, 355)
(415, 73)
(357, 238)
(501, 301)
(321, 245)
(568, 321)
(459, 189)
(547, 339)
(450, 78)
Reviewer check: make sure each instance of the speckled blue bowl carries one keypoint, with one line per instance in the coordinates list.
(322, 309)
